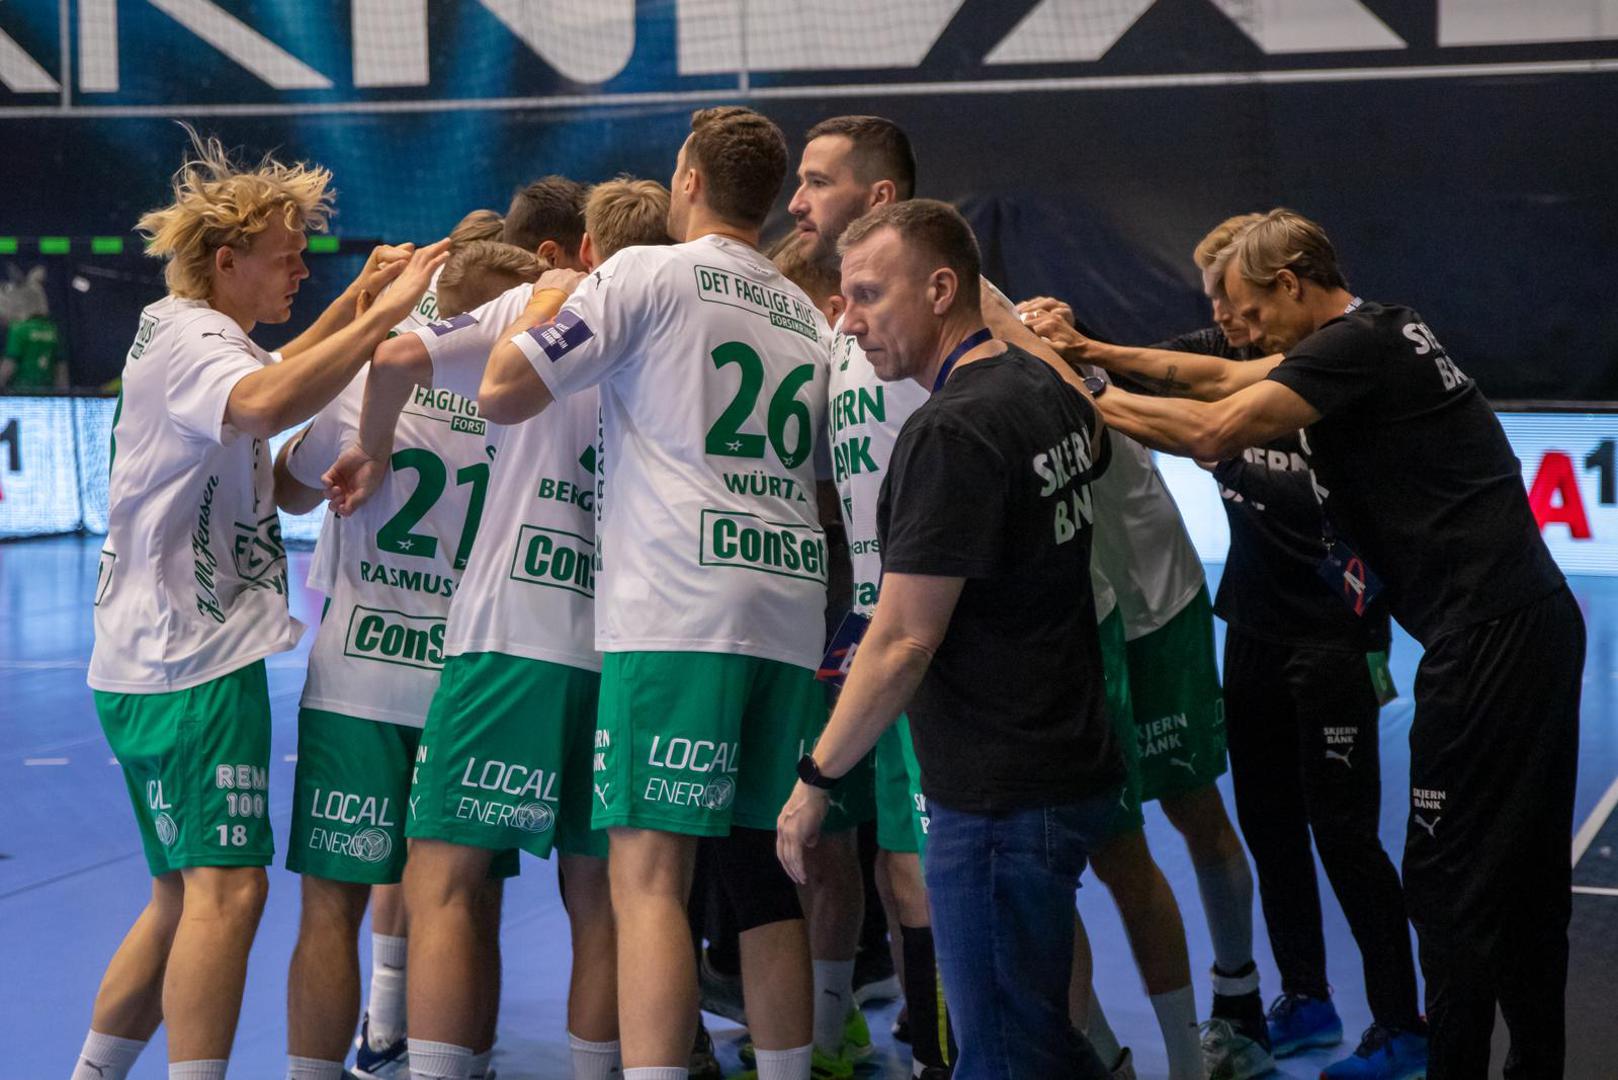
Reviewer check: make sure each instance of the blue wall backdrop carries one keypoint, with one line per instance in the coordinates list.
(1461, 152)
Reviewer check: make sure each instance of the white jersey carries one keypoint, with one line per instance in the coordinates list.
(712, 373)
(864, 419)
(425, 311)
(389, 569)
(193, 576)
(1141, 544)
(530, 583)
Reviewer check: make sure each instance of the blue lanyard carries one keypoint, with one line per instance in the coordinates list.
(972, 342)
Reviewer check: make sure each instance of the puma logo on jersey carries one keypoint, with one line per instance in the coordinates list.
(1333, 755)
(1185, 763)
(601, 793)
(220, 334)
(1428, 825)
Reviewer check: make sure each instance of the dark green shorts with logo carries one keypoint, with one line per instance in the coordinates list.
(197, 763)
(351, 797)
(895, 809)
(693, 742)
(505, 758)
(919, 819)
(1179, 709)
(1121, 711)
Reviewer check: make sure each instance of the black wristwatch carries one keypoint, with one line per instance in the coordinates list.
(1095, 384)
(810, 774)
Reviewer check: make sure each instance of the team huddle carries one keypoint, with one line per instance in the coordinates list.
(644, 539)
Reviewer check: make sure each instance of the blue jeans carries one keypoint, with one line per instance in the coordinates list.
(1001, 888)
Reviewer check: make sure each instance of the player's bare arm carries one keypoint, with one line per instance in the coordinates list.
(385, 263)
(511, 391)
(1208, 431)
(291, 494)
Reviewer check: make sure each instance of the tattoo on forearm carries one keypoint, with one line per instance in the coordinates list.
(1166, 383)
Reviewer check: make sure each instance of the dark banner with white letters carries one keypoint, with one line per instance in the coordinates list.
(1460, 152)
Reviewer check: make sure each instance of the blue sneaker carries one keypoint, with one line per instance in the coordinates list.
(1383, 1054)
(391, 1062)
(1298, 1023)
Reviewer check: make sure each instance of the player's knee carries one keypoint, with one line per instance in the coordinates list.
(909, 889)
(440, 874)
(650, 866)
(236, 893)
(338, 904)
(1200, 817)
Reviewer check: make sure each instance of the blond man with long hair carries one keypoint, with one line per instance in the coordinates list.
(192, 591)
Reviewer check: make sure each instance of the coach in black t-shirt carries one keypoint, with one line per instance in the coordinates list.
(986, 630)
(1423, 495)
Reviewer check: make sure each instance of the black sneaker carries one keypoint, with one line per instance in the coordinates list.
(704, 1064)
(874, 977)
(901, 1026)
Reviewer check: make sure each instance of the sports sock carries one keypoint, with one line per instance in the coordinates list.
(834, 996)
(1236, 998)
(1100, 1033)
(301, 1068)
(107, 1057)
(593, 1060)
(660, 1072)
(1177, 1017)
(201, 1069)
(480, 1064)
(785, 1064)
(387, 1005)
(930, 1035)
(1227, 900)
(439, 1061)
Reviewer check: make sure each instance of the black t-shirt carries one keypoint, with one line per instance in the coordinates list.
(1271, 587)
(989, 482)
(1418, 476)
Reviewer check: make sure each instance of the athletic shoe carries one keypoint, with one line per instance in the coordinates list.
(857, 1044)
(1383, 1054)
(932, 1072)
(1228, 1054)
(391, 1062)
(704, 1064)
(719, 993)
(874, 977)
(1125, 1067)
(821, 1067)
(1298, 1022)
(901, 1026)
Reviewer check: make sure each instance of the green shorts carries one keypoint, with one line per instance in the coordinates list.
(693, 742)
(197, 763)
(1120, 710)
(1179, 710)
(350, 798)
(505, 757)
(919, 819)
(895, 815)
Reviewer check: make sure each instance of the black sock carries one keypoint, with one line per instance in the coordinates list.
(1244, 1011)
(932, 1040)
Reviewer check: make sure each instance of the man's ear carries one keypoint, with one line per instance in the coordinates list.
(587, 253)
(550, 252)
(224, 259)
(1290, 282)
(942, 289)
(883, 192)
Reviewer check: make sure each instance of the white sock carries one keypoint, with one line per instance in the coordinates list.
(1177, 1017)
(209, 1069)
(299, 1068)
(785, 1064)
(659, 1072)
(1100, 1033)
(439, 1061)
(1227, 900)
(107, 1057)
(480, 1064)
(834, 996)
(595, 1060)
(387, 1005)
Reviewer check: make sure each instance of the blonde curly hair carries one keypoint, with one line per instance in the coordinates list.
(218, 203)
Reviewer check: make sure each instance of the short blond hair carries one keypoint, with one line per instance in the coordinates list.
(1284, 240)
(626, 212)
(478, 225)
(1220, 237)
(479, 270)
(218, 203)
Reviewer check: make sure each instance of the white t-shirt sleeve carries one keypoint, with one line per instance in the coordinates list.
(459, 346)
(333, 428)
(210, 356)
(600, 326)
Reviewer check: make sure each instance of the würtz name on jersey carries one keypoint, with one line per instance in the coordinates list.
(735, 290)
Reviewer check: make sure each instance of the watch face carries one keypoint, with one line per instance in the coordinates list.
(1095, 384)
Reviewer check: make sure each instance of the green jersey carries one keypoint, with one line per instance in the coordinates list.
(35, 347)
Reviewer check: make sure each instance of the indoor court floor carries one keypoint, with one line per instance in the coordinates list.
(72, 876)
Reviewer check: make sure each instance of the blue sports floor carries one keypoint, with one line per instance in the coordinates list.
(72, 877)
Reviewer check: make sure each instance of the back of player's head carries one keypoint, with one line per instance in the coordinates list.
(934, 233)
(816, 277)
(1220, 237)
(1285, 240)
(742, 157)
(478, 225)
(551, 208)
(218, 203)
(480, 270)
(626, 212)
(881, 150)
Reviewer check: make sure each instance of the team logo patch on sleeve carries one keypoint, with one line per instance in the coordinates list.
(562, 334)
(452, 324)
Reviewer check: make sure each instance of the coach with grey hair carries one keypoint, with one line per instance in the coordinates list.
(985, 628)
